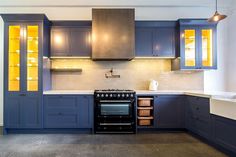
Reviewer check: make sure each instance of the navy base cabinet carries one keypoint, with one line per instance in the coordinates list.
(65, 111)
(198, 116)
(224, 133)
(23, 112)
(169, 111)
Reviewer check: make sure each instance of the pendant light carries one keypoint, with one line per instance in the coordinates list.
(217, 16)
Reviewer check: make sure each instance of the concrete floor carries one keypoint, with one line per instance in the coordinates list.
(74, 145)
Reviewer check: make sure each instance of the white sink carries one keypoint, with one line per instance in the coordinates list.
(223, 105)
(224, 96)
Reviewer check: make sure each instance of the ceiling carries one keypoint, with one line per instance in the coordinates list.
(115, 3)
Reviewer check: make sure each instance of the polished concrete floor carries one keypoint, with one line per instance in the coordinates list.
(74, 145)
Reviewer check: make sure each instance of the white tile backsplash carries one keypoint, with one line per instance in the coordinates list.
(134, 75)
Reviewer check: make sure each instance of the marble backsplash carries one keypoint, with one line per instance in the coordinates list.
(134, 74)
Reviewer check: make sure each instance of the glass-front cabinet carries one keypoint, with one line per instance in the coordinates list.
(197, 46)
(23, 58)
(24, 45)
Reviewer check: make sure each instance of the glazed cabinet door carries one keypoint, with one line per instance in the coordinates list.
(189, 47)
(207, 46)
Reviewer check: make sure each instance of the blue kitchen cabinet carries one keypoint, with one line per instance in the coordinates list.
(23, 112)
(143, 42)
(68, 111)
(164, 42)
(85, 111)
(198, 116)
(197, 47)
(12, 113)
(80, 41)
(224, 133)
(31, 112)
(60, 41)
(169, 111)
(24, 40)
(73, 41)
(60, 111)
(155, 39)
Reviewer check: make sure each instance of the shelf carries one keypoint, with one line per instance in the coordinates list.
(145, 108)
(145, 98)
(146, 117)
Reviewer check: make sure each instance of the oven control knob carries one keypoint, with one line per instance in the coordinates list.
(127, 95)
(118, 95)
(102, 95)
(106, 95)
(98, 95)
(123, 95)
(110, 95)
(131, 95)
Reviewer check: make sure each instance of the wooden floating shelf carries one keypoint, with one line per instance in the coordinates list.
(66, 70)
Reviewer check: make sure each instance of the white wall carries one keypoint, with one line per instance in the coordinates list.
(214, 80)
(194, 9)
(231, 54)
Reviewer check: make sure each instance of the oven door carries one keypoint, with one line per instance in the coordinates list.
(115, 108)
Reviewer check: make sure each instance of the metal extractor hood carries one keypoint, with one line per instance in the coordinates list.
(113, 34)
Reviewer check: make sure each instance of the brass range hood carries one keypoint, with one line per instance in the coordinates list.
(113, 34)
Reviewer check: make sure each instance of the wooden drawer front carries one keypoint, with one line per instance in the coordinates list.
(144, 122)
(60, 101)
(144, 113)
(61, 119)
(144, 102)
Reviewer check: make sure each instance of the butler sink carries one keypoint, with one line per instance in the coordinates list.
(223, 105)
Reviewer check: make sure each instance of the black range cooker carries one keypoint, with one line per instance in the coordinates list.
(114, 111)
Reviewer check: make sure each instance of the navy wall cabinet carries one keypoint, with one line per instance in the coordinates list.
(224, 132)
(25, 44)
(65, 111)
(197, 47)
(155, 39)
(198, 116)
(169, 111)
(71, 41)
(60, 42)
